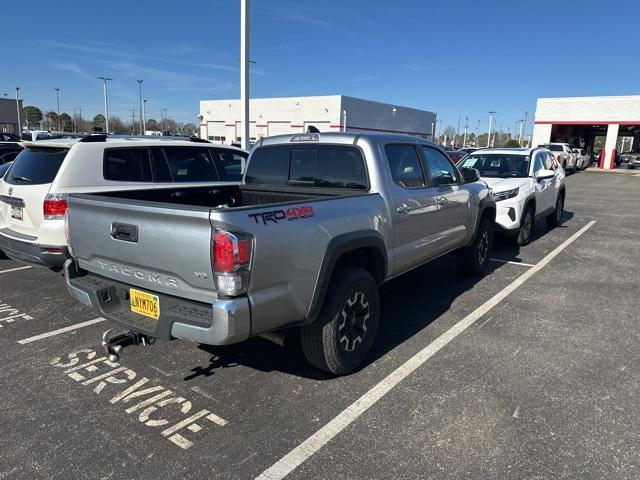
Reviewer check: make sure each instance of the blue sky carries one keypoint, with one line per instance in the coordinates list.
(457, 58)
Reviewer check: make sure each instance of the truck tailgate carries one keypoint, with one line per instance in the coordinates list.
(158, 247)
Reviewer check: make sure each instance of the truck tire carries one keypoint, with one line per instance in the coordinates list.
(555, 218)
(345, 330)
(473, 260)
(527, 224)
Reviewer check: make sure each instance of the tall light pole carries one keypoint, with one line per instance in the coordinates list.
(141, 116)
(490, 124)
(244, 72)
(164, 110)
(58, 102)
(520, 132)
(524, 128)
(466, 127)
(144, 120)
(106, 102)
(18, 110)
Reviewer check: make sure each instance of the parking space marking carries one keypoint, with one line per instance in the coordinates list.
(9, 314)
(155, 406)
(512, 262)
(60, 330)
(315, 442)
(14, 269)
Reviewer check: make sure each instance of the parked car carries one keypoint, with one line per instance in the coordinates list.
(564, 155)
(631, 158)
(319, 222)
(468, 150)
(33, 195)
(454, 154)
(583, 159)
(9, 137)
(527, 184)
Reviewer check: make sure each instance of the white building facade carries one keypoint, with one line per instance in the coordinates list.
(578, 120)
(220, 119)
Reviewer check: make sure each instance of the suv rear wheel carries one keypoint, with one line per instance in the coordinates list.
(345, 330)
(473, 259)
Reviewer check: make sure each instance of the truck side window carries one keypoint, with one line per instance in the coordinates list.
(127, 164)
(440, 167)
(191, 164)
(268, 166)
(405, 166)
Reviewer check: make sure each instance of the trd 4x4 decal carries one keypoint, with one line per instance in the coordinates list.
(290, 214)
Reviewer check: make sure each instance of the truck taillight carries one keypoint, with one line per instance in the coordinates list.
(231, 261)
(55, 206)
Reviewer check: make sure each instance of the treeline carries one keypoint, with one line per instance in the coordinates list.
(34, 118)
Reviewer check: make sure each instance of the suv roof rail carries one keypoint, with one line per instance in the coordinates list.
(100, 137)
(198, 140)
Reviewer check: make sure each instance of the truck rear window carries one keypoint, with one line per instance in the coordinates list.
(36, 166)
(326, 166)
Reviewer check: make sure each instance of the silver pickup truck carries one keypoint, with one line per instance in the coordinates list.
(319, 222)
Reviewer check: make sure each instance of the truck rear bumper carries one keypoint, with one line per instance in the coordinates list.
(33, 253)
(222, 322)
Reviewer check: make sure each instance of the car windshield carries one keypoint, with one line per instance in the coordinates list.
(501, 165)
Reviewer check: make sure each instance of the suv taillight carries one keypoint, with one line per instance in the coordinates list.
(231, 261)
(55, 206)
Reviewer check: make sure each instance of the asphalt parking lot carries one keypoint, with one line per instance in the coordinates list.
(502, 377)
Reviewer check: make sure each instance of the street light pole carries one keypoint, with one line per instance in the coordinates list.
(106, 103)
(466, 127)
(58, 102)
(520, 132)
(490, 124)
(141, 116)
(244, 72)
(18, 110)
(144, 120)
(524, 128)
(164, 110)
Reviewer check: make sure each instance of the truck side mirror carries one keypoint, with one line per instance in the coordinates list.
(470, 175)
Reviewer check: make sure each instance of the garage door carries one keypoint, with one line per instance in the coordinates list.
(253, 131)
(215, 131)
(322, 126)
(278, 128)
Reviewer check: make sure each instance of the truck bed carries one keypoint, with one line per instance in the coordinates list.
(231, 196)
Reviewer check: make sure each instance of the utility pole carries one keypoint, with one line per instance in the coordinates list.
(490, 124)
(466, 127)
(244, 72)
(18, 110)
(165, 120)
(58, 111)
(106, 103)
(455, 136)
(141, 116)
(144, 120)
(520, 132)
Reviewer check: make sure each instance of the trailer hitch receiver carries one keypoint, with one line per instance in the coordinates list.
(113, 346)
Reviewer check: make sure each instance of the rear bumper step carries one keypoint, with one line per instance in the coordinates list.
(222, 322)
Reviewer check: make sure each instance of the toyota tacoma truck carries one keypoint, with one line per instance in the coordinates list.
(318, 223)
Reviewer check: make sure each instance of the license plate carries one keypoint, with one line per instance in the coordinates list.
(144, 303)
(16, 212)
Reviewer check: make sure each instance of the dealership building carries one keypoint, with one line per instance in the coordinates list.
(9, 115)
(579, 120)
(220, 119)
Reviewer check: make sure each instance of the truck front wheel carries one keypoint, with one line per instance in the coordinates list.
(345, 330)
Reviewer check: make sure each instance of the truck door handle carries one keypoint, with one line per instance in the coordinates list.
(403, 209)
(124, 232)
(442, 200)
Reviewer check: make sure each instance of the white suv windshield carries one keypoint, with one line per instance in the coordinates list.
(498, 164)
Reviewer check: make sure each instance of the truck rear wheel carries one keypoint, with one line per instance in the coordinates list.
(473, 259)
(345, 330)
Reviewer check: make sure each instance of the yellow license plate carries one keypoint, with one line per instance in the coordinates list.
(144, 303)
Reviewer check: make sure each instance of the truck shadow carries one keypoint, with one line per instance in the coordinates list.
(409, 304)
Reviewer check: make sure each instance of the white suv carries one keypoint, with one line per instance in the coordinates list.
(527, 184)
(33, 192)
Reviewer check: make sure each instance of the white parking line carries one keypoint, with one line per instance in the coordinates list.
(513, 263)
(61, 330)
(315, 442)
(14, 269)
